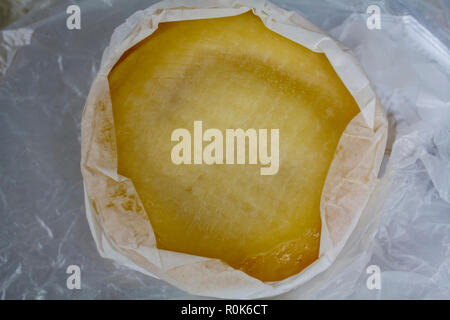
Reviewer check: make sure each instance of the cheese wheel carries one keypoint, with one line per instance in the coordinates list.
(230, 73)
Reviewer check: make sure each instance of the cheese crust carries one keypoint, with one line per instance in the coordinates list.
(230, 72)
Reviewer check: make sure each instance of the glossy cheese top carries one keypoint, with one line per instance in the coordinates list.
(233, 73)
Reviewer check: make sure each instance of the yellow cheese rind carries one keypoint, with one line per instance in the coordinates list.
(230, 73)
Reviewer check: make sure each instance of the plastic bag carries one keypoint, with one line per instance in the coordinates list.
(44, 229)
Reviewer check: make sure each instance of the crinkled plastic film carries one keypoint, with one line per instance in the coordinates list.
(404, 228)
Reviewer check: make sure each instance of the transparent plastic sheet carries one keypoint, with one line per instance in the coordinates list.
(43, 226)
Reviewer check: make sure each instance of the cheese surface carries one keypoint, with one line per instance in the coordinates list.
(230, 72)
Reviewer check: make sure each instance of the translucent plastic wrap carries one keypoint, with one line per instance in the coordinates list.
(45, 75)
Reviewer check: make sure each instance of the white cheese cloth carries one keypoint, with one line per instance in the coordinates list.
(129, 238)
